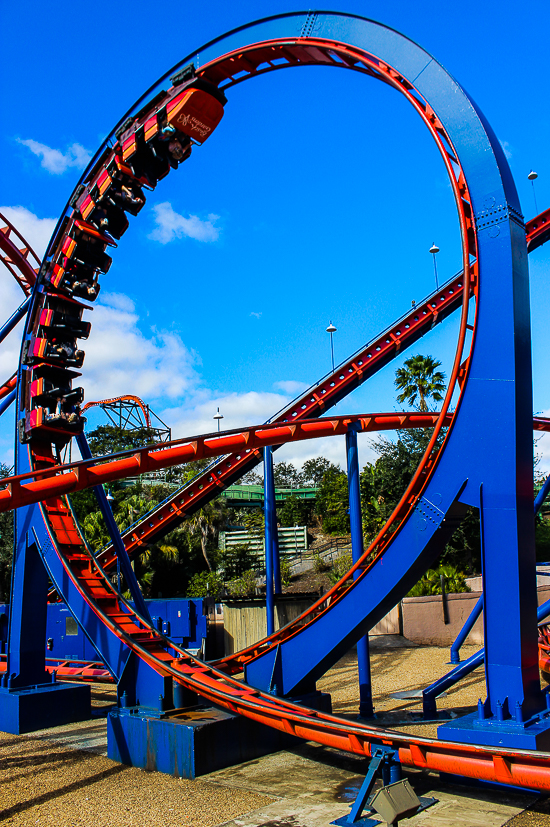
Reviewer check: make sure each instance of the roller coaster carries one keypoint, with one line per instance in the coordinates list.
(473, 458)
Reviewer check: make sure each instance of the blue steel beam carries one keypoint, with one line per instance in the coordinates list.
(465, 631)
(470, 461)
(366, 709)
(471, 458)
(14, 319)
(270, 527)
(114, 534)
(7, 400)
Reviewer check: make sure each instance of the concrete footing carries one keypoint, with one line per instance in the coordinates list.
(532, 734)
(192, 742)
(46, 705)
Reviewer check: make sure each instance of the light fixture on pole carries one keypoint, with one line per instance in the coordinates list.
(218, 416)
(331, 329)
(533, 177)
(434, 249)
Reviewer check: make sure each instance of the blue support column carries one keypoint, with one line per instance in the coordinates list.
(270, 531)
(112, 528)
(366, 709)
(14, 319)
(465, 631)
(30, 698)
(27, 624)
(6, 402)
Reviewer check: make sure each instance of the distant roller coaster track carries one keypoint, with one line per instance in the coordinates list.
(82, 581)
(125, 397)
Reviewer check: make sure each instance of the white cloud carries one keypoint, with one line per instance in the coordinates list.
(256, 314)
(54, 160)
(506, 148)
(238, 410)
(118, 301)
(36, 231)
(290, 387)
(171, 225)
(121, 359)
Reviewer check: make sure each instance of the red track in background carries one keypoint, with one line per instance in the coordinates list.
(510, 766)
(21, 261)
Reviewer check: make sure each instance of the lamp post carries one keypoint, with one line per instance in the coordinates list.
(218, 416)
(434, 249)
(331, 329)
(533, 177)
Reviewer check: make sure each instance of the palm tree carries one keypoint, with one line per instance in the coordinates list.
(420, 379)
(207, 522)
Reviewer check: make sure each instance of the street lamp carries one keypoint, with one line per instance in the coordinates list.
(533, 177)
(434, 249)
(331, 329)
(218, 416)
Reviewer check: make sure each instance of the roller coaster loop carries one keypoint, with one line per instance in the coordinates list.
(473, 458)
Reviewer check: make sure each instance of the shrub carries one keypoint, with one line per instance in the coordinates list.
(205, 583)
(340, 566)
(286, 576)
(431, 582)
(320, 564)
(245, 586)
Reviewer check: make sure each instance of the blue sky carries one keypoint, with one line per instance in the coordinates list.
(316, 199)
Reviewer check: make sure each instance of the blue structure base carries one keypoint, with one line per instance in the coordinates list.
(344, 821)
(47, 705)
(191, 743)
(531, 734)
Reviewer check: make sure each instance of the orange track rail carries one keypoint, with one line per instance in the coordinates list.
(522, 768)
(22, 262)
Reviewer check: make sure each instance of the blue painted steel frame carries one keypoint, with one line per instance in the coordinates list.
(116, 539)
(366, 709)
(475, 454)
(465, 631)
(487, 463)
(14, 319)
(270, 530)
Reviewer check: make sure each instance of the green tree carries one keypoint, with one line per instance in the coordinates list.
(420, 380)
(331, 503)
(286, 475)
(108, 439)
(295, 511)
(206, 523)
(384, 482)
(313, 471)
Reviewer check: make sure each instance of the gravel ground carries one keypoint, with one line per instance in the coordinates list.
(404, 669)
(43, 783)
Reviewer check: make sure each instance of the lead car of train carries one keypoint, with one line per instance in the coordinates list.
(156, 139)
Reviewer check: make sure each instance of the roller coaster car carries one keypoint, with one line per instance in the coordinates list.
(46, 393)
(97, 204)
(84, 244)
(56, 427)
(195, 113)
(52, 404)
(75, 280)
(62, 318)
(125, 195)
(58, 350)
(148, 159)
